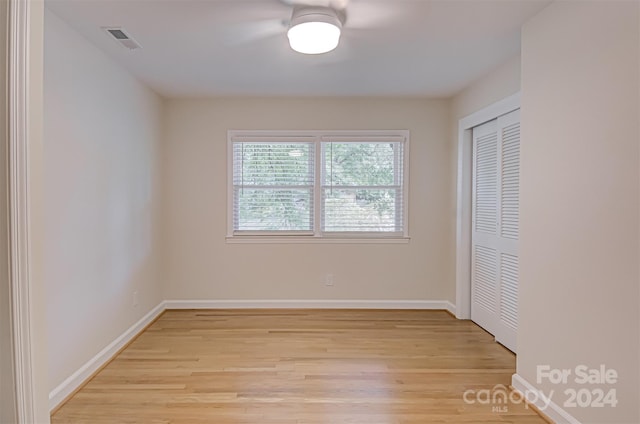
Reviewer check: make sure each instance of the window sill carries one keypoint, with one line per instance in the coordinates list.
(315, 240)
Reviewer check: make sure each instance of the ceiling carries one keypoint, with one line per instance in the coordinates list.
(199, 48)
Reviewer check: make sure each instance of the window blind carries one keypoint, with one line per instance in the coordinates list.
(362, 186)
(323, 184)
(273, 186)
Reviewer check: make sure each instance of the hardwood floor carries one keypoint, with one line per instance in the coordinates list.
(301, 366)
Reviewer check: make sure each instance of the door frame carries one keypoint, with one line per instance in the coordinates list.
(19, 137)
(463, 196)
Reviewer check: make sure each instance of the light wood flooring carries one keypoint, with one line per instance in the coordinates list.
(301, 366)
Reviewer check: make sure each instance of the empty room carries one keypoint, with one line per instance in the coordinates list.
(320, 211)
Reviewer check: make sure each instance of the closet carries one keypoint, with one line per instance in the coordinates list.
(495, 227)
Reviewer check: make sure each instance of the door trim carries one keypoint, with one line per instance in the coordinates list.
(19, 232)
(463, 197)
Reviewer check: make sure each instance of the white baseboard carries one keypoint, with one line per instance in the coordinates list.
(451, 308)
(310, 304)
(553, 411)
(64, 389)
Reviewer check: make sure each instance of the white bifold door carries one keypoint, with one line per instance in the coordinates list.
(495, 224)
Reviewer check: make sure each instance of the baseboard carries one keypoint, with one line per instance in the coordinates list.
(451, 308)
(310, 304)
(553, 411)
(78, 378)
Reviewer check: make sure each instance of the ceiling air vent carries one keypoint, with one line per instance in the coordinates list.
(121, 36)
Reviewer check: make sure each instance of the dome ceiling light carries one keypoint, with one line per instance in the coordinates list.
(314, 30)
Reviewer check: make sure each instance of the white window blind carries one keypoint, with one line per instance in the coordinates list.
(318, 184)
(273, 183)
(362, 186)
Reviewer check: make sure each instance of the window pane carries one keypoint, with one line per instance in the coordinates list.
(273, 209)
(367, 210)
(273, 183)
(359, 164)
(273, 164)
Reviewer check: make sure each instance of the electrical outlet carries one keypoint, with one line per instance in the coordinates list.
(328, 280)
(135, 298)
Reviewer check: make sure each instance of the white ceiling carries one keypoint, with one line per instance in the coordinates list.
(239, 47)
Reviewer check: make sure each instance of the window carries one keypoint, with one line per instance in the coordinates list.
(273, 184)
(319, 184)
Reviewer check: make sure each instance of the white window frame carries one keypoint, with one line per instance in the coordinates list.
(318, 136)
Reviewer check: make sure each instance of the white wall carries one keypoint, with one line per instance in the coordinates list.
(199, 264)
(580, 198)
(7, 389)
(499, 84)
(101, 170)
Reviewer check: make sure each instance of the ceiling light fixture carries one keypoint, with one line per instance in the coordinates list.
(314, 30)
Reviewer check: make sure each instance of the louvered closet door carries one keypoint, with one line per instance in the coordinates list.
(496, 191)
